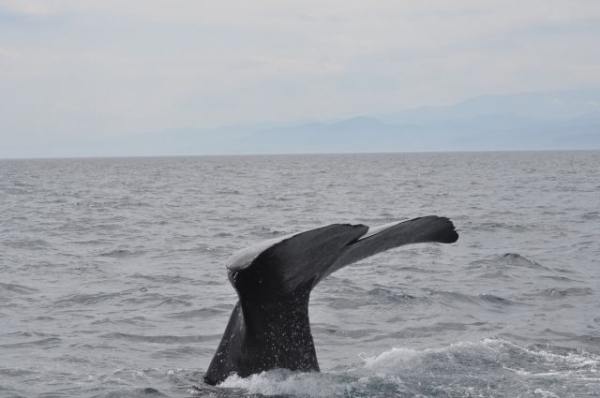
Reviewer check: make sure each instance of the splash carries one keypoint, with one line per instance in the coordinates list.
(283, 382)
(486, 368)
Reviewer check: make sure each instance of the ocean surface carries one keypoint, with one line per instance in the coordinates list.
(113, 280)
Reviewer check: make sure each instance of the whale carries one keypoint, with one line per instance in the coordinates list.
(269, 326)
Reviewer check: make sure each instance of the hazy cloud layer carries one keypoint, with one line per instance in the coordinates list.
(92, 69)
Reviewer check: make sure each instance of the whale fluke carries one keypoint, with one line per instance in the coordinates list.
(269, 326)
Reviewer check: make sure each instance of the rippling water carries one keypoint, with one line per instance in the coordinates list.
(113, 281)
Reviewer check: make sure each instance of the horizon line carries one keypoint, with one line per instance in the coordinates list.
(223, 155)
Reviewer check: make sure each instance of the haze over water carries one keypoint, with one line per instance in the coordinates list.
(113, 279)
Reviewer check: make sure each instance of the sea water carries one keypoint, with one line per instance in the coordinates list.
(113, 280)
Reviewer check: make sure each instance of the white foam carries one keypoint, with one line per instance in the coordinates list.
(390, 359)
(399, 358)
(280, 382)
(414, 370)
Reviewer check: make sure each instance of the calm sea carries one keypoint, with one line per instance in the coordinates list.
(113, 281)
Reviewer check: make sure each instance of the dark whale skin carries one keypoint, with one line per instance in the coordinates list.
(269, 327)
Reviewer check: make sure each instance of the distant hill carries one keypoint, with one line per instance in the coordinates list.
(556, 120)
(359, 134)
(533, 121)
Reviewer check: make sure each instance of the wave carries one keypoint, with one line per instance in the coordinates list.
(165, 278)
(281, 382)
(450, 297)
(16, 372)
(507, 266)
(386, 295)
(158, 300)
(184, 351)
(202, 313)
(487, 368)
(506, 260)
(49, 341)
(559, 278)
(29, 244)
(86, 299)
(592, 215)
(136, 320)
(558, 293)
(15, 288)
(515, 259)
(160, 339)
(495, 226)
(122, 253)
(111, 204)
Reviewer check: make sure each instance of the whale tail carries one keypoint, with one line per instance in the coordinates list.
(269, 327)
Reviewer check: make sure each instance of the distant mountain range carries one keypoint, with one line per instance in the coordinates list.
(534, 121)
(557, 120)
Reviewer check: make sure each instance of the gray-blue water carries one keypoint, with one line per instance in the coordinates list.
(112, 277)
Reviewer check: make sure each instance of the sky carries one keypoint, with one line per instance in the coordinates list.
(73, 70)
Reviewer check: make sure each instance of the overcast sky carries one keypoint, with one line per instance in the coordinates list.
(97, 68)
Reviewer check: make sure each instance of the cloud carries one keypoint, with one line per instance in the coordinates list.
(23, 8)
(71, 68)
(7, 53)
